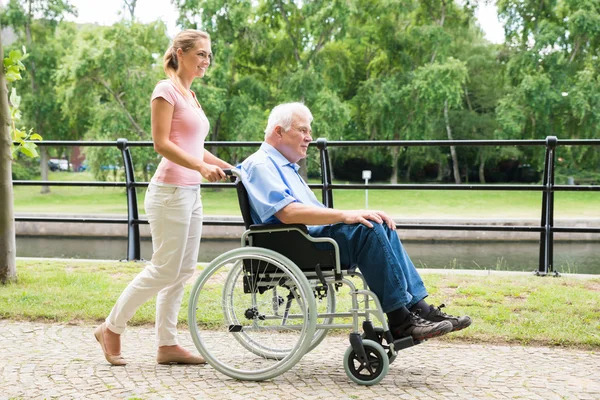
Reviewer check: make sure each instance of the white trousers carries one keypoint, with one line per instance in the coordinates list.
(175, 216)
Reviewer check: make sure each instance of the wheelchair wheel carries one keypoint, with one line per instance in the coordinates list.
(326, 304)
(251, 314)
(374, 372)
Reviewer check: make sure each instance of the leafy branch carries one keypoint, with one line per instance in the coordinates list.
(13, 65)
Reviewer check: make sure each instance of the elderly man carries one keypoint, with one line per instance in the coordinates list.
(366, 238)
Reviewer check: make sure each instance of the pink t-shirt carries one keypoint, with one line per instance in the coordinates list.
(189, 128)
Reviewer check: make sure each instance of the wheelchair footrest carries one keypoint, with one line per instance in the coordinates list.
(235, 328)
(404, 343)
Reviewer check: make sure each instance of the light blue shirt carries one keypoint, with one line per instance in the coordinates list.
(272, 182)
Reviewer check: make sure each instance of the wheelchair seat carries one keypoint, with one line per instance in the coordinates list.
(290, 240)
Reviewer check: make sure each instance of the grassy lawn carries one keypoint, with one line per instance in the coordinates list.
(525, 310)
(401, 204)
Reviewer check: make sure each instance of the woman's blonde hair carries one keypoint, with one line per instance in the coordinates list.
(184, 40)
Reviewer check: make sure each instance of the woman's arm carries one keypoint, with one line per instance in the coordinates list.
(210, 158)
(162, 115)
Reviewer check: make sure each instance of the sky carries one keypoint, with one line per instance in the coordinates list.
(106, 12)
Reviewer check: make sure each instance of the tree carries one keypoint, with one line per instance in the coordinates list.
(35, 22)
(9, 132)
(104, 84)
(130, 5)
(553, 49)
(265, 54)
(8, 248)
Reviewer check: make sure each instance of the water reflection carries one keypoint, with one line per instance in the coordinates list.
(570, 257)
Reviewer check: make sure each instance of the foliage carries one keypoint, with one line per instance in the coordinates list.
(552, 73)
(367, 69)
(13, 65)
(24, 170)
(105, 83)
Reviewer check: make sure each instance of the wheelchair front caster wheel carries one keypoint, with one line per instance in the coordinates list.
(372, 373)
(380, 339)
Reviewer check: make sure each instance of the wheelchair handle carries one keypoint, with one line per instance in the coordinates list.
(233, 172)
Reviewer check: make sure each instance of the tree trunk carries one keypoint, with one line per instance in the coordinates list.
(303, 169)
(481, 167)
(8, 247)
(452, 148)
(44, 165)
(408, 169)
(130, 4)
(395, 155)
(44, 168)
(215, 136)
(441, 168)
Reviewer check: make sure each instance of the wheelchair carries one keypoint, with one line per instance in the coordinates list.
(256, 310)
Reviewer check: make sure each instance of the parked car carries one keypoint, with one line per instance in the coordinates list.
(56, 164)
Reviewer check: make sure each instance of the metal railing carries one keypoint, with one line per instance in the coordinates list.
(546, 228)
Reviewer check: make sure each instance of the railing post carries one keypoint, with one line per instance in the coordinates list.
(133, 229)
(325, 172)
(546, 260)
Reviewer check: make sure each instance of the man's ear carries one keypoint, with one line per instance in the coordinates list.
(279, 131)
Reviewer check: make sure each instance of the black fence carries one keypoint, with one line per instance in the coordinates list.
(546, 229)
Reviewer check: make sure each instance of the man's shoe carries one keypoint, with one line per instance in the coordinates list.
(435, 314)
(420, 329)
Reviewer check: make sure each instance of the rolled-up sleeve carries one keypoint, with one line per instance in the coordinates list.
(266, 189)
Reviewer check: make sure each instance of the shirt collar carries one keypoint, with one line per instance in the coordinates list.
(277, 156)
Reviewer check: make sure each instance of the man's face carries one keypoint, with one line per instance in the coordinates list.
(294, 143)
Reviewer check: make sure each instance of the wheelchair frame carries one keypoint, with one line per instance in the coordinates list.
(274, 339)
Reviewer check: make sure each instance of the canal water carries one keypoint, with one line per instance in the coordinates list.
(569, 257)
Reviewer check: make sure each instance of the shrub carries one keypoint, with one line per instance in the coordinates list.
(25, 171)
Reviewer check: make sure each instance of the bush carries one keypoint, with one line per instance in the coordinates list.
(565, 176)
(25, 171)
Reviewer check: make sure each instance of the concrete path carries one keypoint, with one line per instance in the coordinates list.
(57, 361)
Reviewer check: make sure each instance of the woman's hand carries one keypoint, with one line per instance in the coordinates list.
(211, 173)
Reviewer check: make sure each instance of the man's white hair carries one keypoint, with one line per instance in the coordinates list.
(283, 114)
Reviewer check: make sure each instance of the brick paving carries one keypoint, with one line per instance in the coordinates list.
(64, 361)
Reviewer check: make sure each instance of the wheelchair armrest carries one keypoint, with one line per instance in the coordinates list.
(276, 227)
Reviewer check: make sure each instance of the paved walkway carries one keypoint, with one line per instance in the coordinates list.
(57, 361)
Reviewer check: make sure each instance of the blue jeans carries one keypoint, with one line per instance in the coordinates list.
(382, 260)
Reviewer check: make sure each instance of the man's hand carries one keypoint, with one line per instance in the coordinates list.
(211, 173)
(365, 216)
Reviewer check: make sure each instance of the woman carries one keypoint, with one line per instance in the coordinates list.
(172, 203)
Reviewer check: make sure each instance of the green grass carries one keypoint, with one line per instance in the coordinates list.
(400, 204)
(513, 309)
